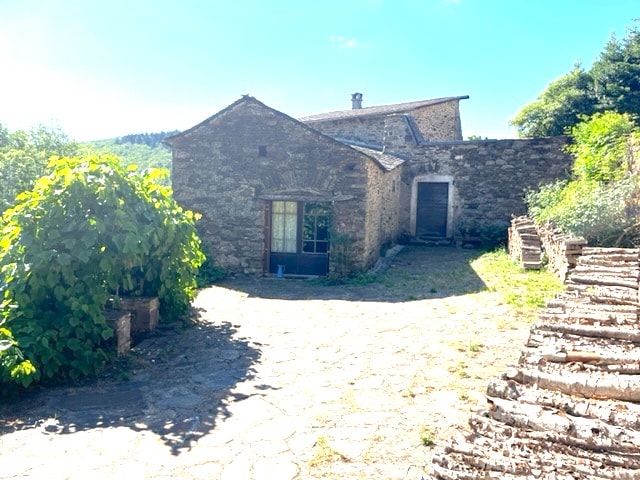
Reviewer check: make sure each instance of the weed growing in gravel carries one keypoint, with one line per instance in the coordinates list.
(324, 453)
(427, 437)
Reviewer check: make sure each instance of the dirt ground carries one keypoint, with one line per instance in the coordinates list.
(294, 376)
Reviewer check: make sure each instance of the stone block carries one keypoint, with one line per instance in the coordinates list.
(120, 321)
(144, 313)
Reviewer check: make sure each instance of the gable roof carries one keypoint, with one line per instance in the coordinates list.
(384, 161)
(243, 99)
(378, 110)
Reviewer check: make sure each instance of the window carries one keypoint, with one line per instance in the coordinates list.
(315, 228)
(262, 150)
(284, 225)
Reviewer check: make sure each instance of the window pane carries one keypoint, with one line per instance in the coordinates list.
(284, 218)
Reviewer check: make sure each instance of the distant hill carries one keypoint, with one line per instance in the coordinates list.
(142, 149)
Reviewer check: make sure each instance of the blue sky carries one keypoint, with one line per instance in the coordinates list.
(100, 69)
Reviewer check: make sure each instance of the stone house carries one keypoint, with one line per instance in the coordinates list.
(327, 193)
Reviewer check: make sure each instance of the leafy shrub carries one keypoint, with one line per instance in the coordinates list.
(87, 230)
(13, 367)
(486, 235)
(209, 273)
(599, 201)
(600, 145)
(595, 211)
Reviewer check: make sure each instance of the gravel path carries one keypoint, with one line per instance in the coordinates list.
(281, 379)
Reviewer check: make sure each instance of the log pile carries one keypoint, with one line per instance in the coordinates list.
(570, 408)
(562, 250)
(524, 243)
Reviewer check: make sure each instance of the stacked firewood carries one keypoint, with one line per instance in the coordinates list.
(524, 243)
(570, 408)
(562, 250)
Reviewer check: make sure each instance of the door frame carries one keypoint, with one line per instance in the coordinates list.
(432, 178)
(318, 262)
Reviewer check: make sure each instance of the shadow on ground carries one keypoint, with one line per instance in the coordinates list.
(415, 273)
(181, 384)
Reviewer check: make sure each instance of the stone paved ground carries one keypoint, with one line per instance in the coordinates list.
(282, 379)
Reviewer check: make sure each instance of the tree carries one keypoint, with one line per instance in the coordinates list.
(616, 75)
(559, 107)
(612, 84)
(88, 230)
(24, 156)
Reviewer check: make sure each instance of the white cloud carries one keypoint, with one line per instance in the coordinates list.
(343, 42)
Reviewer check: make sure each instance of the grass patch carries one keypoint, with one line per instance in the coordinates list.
(525, 290)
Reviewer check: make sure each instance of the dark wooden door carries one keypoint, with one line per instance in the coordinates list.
(431, 211)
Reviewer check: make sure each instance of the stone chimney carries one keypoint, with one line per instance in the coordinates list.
(356, 101)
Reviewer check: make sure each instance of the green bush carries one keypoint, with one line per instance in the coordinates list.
(600, 146)
(209, 273)
(598, 202)
(487, 236)
(86, 231)
(595, 211)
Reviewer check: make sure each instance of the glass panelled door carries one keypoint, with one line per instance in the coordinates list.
(299, 237)
(284, 227)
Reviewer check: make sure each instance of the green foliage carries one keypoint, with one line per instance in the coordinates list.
(612, 84)
(487, 235)
(616, 75)
(88, 229)
(585, 208)
(143, 150)
(24, 156)
(559, 107)
(342, 254)
(150, 139)
(209, 273)
(597, 203)
(14, 369)
(600, 146)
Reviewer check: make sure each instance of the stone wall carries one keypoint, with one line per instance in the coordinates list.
(219, 172)
(488, 177)
(439, 122)
(366, 130)
(230, 167)
(383, 206)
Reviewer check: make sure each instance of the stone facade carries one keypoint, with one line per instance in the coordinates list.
(488, 178)
(231, 166)
(425, 121)
(369, 165)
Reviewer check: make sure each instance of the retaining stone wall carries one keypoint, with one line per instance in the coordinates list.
(489, 177)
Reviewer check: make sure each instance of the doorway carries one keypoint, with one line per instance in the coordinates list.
(299, 237)
(432, 207)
